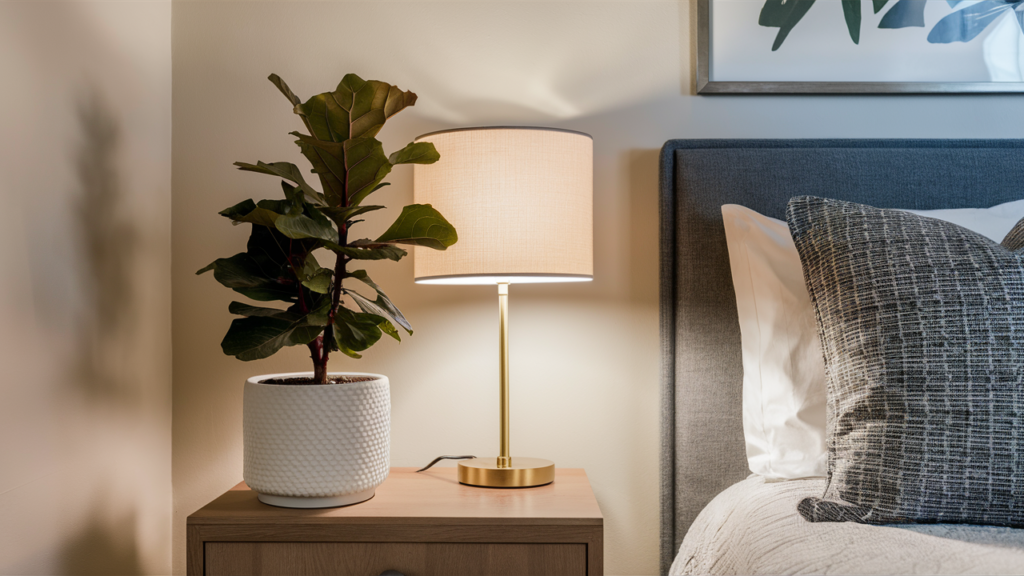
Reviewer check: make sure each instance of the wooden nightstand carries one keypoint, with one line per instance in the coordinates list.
(417, 524)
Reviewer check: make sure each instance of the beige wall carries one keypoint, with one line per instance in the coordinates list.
(584, 357)
(85, 398)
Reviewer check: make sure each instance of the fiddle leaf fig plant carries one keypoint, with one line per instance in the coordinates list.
(279, 265)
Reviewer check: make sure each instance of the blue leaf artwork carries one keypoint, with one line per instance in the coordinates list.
(784, 16)
(965, 24)
(904, 14)
(962, 25)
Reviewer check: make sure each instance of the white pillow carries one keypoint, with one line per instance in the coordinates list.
(783, 369)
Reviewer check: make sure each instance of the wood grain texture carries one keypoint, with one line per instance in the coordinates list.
(193, 551)
(423, 532)
(434, 496)
(595, 552)
(427, 521)
(411, 559)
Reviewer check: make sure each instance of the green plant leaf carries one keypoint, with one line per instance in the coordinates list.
(257, 337)
(313, 276)
(416, 153)
(346, 351)
(273, 254)
(421, 225)
(356, 109)
(315, 226)
(368, 250)
(878, 5)
(251, 213)
(310, 266)
(388, 328)
(320, 282)
(382, 301)
(238, 210)
(293, 196)
(370, 307)
(244, 274)
(851, 11)
(341, 215)
(367, 166)
(288, 171)
(320, 315)
(355, 331)
(249, 311)
(331, 170)
(273, 249)
(356, 166)
(284, 89)
(276, 206)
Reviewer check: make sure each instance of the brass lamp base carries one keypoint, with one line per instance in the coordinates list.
(521, 473)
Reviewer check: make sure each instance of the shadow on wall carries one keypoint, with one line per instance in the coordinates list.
(107, 244)
(102, 548)
(105, 364)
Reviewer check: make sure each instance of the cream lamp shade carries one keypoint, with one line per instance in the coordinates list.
(521, 200)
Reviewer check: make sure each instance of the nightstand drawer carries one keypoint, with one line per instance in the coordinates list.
(411, 559)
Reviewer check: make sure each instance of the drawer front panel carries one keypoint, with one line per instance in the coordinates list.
(410, 559)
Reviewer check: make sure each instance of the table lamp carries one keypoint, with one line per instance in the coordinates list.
(522, 201)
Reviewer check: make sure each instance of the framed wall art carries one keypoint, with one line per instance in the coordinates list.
(860, 46)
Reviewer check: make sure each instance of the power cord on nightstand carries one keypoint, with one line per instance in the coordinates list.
(439, 458)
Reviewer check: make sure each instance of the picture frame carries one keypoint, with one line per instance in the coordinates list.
(733, 83)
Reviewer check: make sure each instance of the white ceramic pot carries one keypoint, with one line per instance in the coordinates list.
(316, 446)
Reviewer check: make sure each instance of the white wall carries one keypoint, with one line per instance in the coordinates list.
(85, 427)
(584, 357)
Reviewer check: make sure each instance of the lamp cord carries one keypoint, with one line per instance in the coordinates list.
(439, 458)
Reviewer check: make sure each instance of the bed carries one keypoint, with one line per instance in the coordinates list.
(702, 442)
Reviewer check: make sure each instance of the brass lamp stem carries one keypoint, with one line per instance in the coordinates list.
(502, 472)
(504, 459)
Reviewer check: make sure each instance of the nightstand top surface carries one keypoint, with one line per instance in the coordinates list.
(430, 496)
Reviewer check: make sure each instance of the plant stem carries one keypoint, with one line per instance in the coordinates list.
(321, 347)
(339, 276)
(327, 338)
(319, 365)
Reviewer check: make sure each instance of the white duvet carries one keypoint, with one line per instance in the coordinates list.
(753, 527)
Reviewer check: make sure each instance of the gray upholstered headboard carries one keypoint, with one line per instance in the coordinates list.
(702, 434)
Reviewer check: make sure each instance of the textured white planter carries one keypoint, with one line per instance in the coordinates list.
(316, 446)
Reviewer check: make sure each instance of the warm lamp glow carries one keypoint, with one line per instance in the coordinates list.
(521, 200)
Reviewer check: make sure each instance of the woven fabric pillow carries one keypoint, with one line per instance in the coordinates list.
(1014, 239)
(922, 330)
(783, 370)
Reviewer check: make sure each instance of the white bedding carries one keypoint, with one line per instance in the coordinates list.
(753, 527)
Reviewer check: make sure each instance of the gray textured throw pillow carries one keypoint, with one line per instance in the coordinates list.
(922, 328)
(1014, 239)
